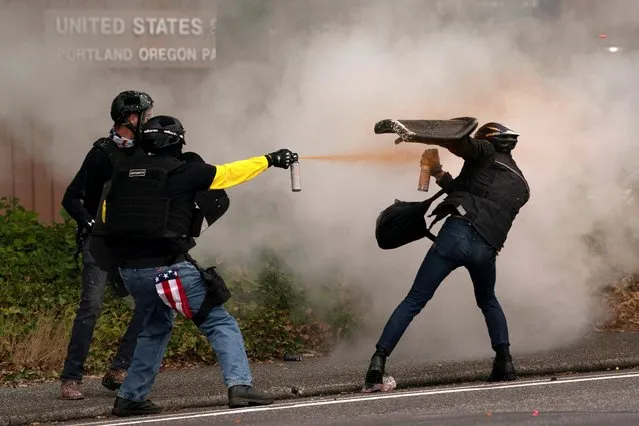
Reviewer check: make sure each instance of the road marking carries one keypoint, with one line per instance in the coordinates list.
(362, 398)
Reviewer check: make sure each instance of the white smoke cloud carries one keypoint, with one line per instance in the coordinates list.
(329, 72)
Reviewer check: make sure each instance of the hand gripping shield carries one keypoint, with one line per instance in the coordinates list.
(435, 132)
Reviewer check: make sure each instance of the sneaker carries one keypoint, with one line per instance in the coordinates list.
(244, 396)
(113, 379)
(71, 390)
(125, 408)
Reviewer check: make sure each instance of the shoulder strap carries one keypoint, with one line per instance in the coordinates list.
(427, 203)
(105, 144)
(109, 147)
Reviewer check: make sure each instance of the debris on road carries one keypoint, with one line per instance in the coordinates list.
(387, 385)
(293, 357)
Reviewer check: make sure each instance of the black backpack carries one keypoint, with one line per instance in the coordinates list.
(404, 222)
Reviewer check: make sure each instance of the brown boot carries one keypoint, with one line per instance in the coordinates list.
(113, 379)
(71, 390)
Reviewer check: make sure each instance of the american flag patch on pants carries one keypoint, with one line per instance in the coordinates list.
(170, 289)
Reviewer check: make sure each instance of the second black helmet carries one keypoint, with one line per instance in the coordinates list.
(161, 132)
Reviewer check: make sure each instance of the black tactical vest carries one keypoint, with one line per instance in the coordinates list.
(110, 148)
(138, 206)
(489, 195)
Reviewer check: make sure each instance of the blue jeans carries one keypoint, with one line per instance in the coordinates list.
(458, 244)
(94, 282)
(220, 328)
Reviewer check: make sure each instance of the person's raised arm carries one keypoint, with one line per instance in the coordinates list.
(237, 172)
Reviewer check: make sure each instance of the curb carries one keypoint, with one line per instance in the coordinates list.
(285, 393)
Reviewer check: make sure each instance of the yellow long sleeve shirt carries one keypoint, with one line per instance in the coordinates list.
(232, 174)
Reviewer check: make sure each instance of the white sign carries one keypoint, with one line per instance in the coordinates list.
(160, 38)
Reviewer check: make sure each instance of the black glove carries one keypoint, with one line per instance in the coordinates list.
(436, 170)
(82, 231)
(85, 228)
(282, 158)
(430, 159)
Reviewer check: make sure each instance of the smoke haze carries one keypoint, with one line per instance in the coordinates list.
(329, 72)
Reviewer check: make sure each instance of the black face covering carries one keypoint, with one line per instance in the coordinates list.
(504, 144)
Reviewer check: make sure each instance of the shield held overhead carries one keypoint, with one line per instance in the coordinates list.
(435, 132)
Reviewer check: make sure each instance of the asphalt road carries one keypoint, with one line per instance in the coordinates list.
(315, 377)
(584, 399)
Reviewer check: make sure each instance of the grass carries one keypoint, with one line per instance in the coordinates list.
(45, 346)
(622, 300)
(37, 355)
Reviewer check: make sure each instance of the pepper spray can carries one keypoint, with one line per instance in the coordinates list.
(424, 173)
(295, 177)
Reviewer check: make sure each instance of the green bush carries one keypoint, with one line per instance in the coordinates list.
(40, 288)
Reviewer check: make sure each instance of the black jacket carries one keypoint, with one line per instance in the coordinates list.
(82, 196)
(489, 191)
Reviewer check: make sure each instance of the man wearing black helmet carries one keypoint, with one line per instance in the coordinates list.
(147, 220)
(481, 205)
(129, 110)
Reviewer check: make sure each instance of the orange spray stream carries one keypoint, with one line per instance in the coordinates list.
(384, 156)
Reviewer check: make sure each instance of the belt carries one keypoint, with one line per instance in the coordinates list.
(152, 262)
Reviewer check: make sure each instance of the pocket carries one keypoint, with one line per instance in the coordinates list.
(484, 250)
(170, 289)
(127, 274)
(446, 244)
(187, 268)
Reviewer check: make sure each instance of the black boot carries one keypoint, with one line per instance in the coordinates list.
(375, 373)
(113, 379)
(244, 396)
(503, 368)
(125, 407)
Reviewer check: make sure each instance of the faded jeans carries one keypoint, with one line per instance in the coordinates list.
(220, 328)
(94, 281)
(458, 244)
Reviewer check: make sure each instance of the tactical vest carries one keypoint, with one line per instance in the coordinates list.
(109, 147)
(138, 206)
(489, 195)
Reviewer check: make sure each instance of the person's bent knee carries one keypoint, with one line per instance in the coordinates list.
(417, 299)
(91, 304)
(488, 303)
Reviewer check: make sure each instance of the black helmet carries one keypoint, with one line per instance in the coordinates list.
(161, 132)
(130, 102)
(503, 138)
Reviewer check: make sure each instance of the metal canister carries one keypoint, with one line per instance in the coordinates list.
(295, 177)
(424, 172)
(424, 179)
